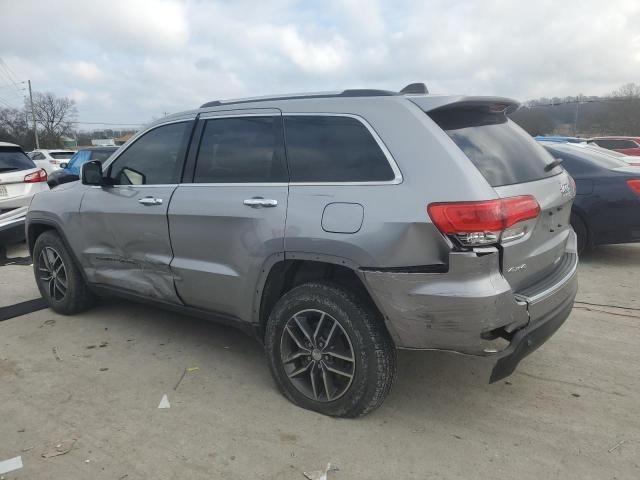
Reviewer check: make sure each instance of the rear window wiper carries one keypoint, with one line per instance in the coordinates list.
(550, 166)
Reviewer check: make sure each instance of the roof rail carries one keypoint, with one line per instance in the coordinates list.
(362, 92)
(415, 89)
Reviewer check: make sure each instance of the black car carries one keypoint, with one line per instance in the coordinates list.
(70, 172)
(607, 205)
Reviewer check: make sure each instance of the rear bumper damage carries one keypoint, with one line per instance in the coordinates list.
(472, 309)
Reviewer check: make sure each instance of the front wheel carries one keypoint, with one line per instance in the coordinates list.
(328, 351)
(57, 276)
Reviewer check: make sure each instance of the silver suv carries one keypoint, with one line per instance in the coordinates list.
(335, 228)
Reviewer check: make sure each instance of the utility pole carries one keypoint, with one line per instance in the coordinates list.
(33, 116)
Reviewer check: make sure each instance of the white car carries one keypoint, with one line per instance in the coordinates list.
(50, 160)
(20, 180)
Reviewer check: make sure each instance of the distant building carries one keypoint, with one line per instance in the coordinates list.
(103, 142)
(68, 142)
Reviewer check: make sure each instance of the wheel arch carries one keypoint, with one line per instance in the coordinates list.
(35, 228)
(293, 269)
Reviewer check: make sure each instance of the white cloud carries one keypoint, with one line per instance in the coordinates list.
(87, 71)
(132, 60)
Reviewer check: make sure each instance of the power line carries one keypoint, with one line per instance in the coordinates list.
(10, 75)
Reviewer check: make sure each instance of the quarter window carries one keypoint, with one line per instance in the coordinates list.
(153, 159)
(333, 149)
(241, 150)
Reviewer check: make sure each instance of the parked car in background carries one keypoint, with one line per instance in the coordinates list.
(70, 172)
(20, 179)
(607, 205)
(626, 145)
(50, 160)
(559, 138)
(628, 159)
(326, 225)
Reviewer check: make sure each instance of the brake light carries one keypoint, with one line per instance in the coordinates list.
(484, 222)
(634, 185)
(36, 177)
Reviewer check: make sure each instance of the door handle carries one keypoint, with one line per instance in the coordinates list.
(257, 202)
(147, 201)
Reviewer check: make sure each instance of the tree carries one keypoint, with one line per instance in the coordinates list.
(534, 120)
(54, 117)
(14, 127)
(630, 90)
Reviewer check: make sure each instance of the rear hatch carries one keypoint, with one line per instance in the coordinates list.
(515, 166)
(14, 166)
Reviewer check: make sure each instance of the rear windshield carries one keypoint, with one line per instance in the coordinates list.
(503, 152)
(12, 159)
(61, 155)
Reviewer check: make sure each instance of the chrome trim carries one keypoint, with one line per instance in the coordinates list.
(392, 162)
(269, 112)
(275, 113)
(260, 202)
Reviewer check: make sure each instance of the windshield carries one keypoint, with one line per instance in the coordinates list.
(61, 155)
(14, 159)
(503, 152)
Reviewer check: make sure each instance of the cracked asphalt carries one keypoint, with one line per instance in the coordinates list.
(571, 410)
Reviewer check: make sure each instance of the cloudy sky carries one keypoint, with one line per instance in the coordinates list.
(130, 61)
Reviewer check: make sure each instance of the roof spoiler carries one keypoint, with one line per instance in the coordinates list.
(496, 105)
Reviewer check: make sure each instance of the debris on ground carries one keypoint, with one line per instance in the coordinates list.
(617, 445)
(186, 370)
(164, 403)
(10, 465)
(55, 354)
(104, 369)
(320, 474)
(103, 344)
(60, 449)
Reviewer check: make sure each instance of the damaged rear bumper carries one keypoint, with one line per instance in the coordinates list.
(472, 309)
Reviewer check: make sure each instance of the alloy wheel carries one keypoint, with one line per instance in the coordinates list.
(317, 355)
(53, 273)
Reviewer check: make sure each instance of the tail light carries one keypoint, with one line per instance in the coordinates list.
(36, 177)
(634, 185)
(485, 222)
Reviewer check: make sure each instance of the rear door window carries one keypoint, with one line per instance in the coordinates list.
(14, 159)
(241, 150)
(502, 151)
(333, 149)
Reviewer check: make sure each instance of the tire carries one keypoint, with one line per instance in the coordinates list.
(66, 292)
(582, 232)
(348, 322)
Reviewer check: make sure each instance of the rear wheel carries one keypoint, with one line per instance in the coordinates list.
(57, 276)
(582, 232)
(328, 351)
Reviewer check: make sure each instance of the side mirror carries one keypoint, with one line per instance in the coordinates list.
(63, 165)
(91, 173)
